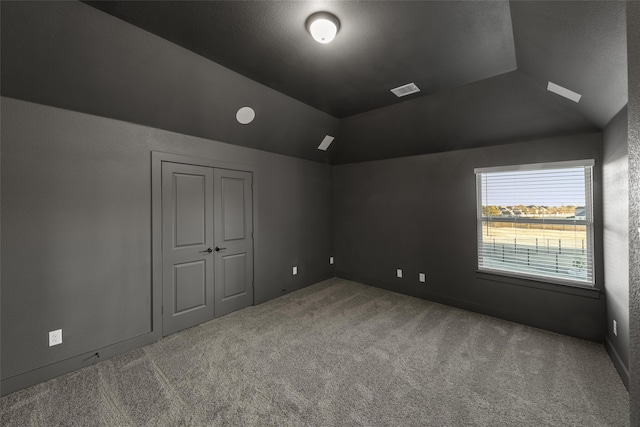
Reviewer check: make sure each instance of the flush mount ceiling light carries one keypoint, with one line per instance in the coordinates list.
(323, 26)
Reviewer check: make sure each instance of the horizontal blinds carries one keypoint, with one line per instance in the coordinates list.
(537, 166)
(546, 188)
(537, 223)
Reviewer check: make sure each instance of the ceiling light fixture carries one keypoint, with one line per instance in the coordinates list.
(323, 26)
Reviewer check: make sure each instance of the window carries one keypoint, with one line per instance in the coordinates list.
(536, 221)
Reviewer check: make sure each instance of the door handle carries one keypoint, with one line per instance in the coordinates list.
(209, 250)
(218, 249)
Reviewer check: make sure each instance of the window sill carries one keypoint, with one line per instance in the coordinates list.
(589, 292)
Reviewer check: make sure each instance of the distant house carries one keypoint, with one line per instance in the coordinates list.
(581, 212)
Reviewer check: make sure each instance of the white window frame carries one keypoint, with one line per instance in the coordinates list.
(588, 222)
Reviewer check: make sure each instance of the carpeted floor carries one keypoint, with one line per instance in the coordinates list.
(338, 354)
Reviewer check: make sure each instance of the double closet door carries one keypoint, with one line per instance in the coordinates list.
(207, 244)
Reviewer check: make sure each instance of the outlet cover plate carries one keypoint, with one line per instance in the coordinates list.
(422, 277)
(399, 273)
(55, 337)
(295, 270)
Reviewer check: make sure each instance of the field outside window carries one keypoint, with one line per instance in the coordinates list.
(537, 222)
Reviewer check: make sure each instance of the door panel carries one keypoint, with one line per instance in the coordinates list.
(233, 218)
(235, 270)
(190, 286)
(187, 233)
(233, 209)
(189, 226)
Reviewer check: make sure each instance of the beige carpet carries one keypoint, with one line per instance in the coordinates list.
(334, 354)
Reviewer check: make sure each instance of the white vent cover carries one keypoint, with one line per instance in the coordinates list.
(562, 91)
(326, 142)
(405, 90)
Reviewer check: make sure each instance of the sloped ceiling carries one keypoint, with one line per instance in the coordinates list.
(483, 68)
(72, 56)
(493, 111)
(381, 45)
(579, 45)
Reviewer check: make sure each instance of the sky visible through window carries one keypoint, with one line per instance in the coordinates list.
(538, 188)
(536, 223)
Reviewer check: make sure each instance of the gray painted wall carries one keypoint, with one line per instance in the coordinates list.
(73, 56)
(615, 200)
(633, 46)
(76, 251)
(55, 148)
(419, 214)
(0, 237)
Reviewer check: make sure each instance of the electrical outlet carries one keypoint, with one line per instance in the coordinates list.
(615, 327)
(399, 273)
(295, 270)
(422, 277)
(55, 337)
(330, 260)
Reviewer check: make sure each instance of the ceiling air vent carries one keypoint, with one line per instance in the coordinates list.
(325, 143)
(563, 91)
(405, 90)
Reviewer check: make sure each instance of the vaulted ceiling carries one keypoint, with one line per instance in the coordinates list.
(381, 45)
(482, 68)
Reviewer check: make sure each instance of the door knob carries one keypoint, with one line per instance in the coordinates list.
(218, 249)
(209, 250)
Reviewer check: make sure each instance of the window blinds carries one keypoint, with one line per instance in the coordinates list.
(537, 221)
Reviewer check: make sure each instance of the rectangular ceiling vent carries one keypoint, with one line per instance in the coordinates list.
(405, 90)
(563, 91)
(326, 142)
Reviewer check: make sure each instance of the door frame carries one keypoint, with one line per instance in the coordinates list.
(157, 158)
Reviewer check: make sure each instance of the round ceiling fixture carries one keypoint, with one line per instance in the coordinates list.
(323, 26)
(245, 115)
